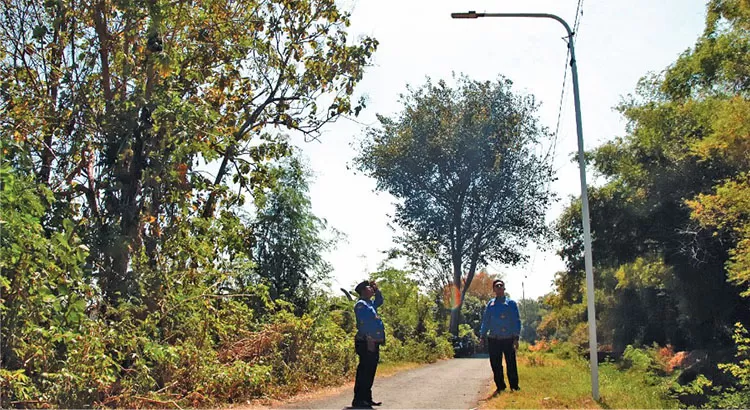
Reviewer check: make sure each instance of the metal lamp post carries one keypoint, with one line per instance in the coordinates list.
(584, 190)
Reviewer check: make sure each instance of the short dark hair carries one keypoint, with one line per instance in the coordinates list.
(496, 281)
(361, 286)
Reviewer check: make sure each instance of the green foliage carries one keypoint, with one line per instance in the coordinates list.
(531, 312)
(643, 273)
(637, 359)
(44, 295)
(462, 160)
(122, 104)
(695, 391)
(427, 351)
(562, 319)
(738, 394)
(288, 246)
(465, 330)
(406, 312)
(412, 332)
(728, 210)
(541, 374)
(308, 342)
(718, 64)
(127, 274)
(740, 369)
(472, 312)
(669, 226)
(632, 389)
(567, 351)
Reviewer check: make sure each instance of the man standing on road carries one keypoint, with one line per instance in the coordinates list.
(370, 335)
(501, 327)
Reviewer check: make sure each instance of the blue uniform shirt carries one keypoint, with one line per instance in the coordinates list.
(369, 324)
(501, 319)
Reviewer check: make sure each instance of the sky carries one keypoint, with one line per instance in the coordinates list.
(617, 43)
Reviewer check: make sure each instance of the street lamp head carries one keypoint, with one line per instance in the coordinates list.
(470, 15)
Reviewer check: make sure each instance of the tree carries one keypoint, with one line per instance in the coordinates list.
(463, 163)
(481, 286)
(406, 310)
(122, 103)
(670, 226)
(42, 285)
(531, 312)
(288, 244)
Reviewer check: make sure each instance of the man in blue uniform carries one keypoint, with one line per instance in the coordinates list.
(501, 327)
(370, 335)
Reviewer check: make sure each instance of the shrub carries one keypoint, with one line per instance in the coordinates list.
(541, 345)
(738, 394)
(534, 359)
(566, 351)
(425, 351)
(636, 359)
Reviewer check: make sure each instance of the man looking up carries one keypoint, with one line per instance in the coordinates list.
(370, 335)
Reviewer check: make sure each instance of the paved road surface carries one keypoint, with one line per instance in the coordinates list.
(448, 384)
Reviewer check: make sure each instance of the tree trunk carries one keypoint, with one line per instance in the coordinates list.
(455, 319)
(461, 290)
(456, 310)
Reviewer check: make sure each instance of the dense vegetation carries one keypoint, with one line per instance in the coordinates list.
(157, 243)
(671, 225)
(158, 247)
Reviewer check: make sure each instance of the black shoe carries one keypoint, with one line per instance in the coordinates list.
(515, 388)
(361, 405)
(375, 403)
(497, 392)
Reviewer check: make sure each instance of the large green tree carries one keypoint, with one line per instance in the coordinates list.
(122, 103)
(131, 133)
(670, 225)
(462, 161)
(288, 244)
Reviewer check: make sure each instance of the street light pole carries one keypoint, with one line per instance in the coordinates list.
(593, 359)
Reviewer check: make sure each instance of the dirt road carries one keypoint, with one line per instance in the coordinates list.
(449, 384)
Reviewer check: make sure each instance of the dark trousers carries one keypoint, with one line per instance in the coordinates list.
(368, 364)
(497, 348)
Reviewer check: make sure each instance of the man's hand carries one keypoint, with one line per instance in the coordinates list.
(515, 344)
(374, 286)
(482, 342)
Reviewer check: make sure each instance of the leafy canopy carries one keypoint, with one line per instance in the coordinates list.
(463, 163)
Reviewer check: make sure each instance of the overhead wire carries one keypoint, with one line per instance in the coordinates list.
(576, 24)
(553, 147)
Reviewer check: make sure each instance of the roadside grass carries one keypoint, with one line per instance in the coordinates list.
(550, 382)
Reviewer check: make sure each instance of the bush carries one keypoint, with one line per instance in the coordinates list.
(197, 348)
(535, 359)
(543, 345)
(566, 351)
(736, 395)
(426, 351)
(636, 359)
